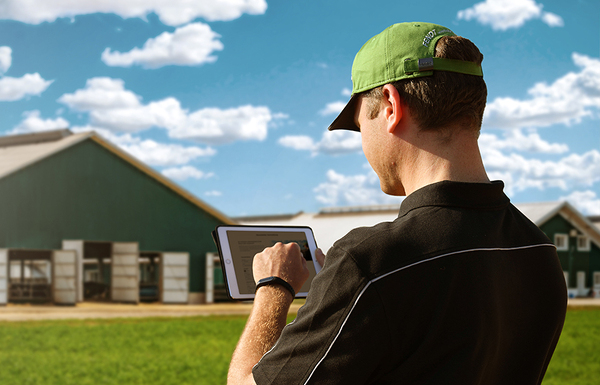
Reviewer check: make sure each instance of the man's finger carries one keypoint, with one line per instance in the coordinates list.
(320, 256)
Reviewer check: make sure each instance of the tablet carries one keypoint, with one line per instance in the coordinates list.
(237, 246)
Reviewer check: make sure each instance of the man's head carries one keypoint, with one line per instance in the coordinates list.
(437, 74)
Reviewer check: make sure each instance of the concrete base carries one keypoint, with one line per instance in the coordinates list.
(92, 310)
(196, 298)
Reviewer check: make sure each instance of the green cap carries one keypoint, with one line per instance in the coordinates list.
(401, 51)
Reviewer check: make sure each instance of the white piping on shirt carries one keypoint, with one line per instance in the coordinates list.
(406, 267)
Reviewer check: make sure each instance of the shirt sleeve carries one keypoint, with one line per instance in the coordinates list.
(339, 335)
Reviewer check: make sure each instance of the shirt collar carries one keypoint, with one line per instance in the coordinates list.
(457, 194)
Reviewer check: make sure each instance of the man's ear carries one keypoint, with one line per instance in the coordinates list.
(392, 107)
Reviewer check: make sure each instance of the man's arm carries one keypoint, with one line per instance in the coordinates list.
(271, 305)
(266, 321)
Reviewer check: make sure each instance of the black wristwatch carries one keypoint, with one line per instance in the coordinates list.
(275, 281)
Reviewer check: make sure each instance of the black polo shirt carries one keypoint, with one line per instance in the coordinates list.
(460, 289)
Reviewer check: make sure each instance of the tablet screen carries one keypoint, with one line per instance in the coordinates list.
(239, 245)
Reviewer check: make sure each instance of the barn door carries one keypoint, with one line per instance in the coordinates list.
(125, 268)
(77, 246)
(64, 277)
(174, 277)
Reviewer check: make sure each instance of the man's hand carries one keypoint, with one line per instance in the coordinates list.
(283, 261)
(271, 304)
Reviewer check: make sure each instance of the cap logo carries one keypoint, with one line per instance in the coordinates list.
(433, 33)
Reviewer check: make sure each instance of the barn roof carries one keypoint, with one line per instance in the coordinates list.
(20, 151)
(332, 223)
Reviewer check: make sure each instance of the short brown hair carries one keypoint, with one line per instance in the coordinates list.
(445, 97)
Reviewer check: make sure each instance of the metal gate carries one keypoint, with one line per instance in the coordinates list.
(175, 277)
(29, 275)
(125, 272)
(64, 277)
(215, 284)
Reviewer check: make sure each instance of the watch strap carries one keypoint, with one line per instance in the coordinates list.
(275, 281)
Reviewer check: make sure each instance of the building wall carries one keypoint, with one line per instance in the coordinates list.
(86, 192)
(578, 260)
(594, 262)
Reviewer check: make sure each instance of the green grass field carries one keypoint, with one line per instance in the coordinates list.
(576, 360)
(197, 351)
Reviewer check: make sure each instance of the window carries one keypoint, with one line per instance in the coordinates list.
(561, 241)
(583, 243)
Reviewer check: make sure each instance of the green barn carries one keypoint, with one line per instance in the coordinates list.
(577, 241)
(57, 186)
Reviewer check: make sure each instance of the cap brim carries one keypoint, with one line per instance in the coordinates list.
(345, 120)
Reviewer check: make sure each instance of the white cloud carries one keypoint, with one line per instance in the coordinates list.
(33, 123)
(553, 20)
(520, 173)
(216, 126)
(151, 152)
(190, 45)
(297, 142)
(12, 89)
(333, 108)
(170, 12)
(353, 190)
(101, 93)
(346, 92)
(213, 193)
(146, 150)
(164, 113)
(162, 154)
(505, 14)
(568, 100)
(585, 201)
(113, 107)
(332, 143)
(5, 59)
(516, 140)
(340, 142)
(185, 172)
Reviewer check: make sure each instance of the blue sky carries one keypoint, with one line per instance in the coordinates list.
(232, 98)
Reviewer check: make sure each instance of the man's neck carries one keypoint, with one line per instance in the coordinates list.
(428, 158)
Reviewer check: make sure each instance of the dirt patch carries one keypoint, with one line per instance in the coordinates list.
(84, 310)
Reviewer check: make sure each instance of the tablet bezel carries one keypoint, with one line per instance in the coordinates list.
(222, 242)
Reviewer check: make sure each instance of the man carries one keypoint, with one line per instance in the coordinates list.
(460, 289)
